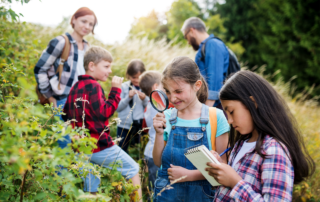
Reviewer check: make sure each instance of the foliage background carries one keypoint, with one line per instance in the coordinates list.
(28, 152)
(283, 35)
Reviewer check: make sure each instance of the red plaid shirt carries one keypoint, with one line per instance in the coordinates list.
(269, 179)
(97, 109)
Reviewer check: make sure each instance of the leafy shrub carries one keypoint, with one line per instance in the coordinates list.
(29, 154)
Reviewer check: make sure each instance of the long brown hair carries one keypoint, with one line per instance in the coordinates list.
(271, 117)
(186, 69)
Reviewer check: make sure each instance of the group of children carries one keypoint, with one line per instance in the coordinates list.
(267, 155)
(130, 99)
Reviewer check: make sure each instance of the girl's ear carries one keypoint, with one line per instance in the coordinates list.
(198, 85)
(255, 103)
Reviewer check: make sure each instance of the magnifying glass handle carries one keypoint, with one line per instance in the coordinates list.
(163, 126)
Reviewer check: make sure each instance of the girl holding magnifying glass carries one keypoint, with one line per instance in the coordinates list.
(186, 125)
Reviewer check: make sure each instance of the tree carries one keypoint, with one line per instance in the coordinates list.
(214, 25)
(154, 28)
(281, 34)
(180, 11)
(149, 26)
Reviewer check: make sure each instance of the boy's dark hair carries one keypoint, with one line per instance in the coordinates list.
(270, 117)
(186, 69)
(148, 79)
(134, 67)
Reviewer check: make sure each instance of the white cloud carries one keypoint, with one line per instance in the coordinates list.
(114, 17)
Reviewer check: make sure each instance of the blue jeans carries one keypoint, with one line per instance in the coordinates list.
(67, 140)
(106, 158)
(181, 139)
(152, 172)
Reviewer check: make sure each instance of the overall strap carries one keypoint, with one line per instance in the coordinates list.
(204, 117)
(173, 117)
(213, 124)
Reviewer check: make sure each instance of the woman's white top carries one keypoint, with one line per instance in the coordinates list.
(80, 67)
(244, 149)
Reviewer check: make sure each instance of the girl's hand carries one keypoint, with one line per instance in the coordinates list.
(224, 174)
(176, 172)
(132, 93)
(215, 154)
(159, 122)
(142, 96)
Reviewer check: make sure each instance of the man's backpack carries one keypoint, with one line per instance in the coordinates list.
(234, 65)
(64, 57)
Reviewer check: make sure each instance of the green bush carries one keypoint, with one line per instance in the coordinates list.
(29, 154)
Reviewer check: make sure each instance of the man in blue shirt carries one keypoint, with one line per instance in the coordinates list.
(216, 59)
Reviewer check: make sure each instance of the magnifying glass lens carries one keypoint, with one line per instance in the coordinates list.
(159, 100)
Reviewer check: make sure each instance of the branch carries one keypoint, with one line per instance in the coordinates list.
(22, 185)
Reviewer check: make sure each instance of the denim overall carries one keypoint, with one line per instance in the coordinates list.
(180, 140)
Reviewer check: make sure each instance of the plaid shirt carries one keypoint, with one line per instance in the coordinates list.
(269, 179)
(97, 109)
(46, 68)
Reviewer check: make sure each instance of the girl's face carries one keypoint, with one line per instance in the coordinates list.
(238, 116)
(180, 93)
(135, 79)
(83, 25)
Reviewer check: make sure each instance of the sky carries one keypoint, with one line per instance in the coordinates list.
(115, 17)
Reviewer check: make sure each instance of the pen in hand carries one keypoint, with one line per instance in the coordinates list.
(225, 151)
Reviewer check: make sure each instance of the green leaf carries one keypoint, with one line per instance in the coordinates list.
(40, 196)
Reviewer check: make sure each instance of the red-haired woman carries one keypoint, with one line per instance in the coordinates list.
(83, 22)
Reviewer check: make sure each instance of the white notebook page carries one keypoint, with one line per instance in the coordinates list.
(199, 157)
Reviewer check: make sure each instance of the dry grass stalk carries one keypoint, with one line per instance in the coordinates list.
(168, 187)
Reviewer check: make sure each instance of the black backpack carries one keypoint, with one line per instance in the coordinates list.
(234, 65)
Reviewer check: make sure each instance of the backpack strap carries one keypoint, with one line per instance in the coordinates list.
(64, 57)
(203, 49)
(213, 124)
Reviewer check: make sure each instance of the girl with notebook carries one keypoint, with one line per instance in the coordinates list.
(268, 154)
(185, 126)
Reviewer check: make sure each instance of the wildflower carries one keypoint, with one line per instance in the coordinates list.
(116, 120)
(117, 140)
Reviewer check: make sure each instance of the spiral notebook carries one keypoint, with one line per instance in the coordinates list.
(199, 157)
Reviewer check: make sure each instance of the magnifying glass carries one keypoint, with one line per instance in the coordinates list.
(159, 100)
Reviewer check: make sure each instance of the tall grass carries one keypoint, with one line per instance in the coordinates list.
(307, 113)
(157, 54)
